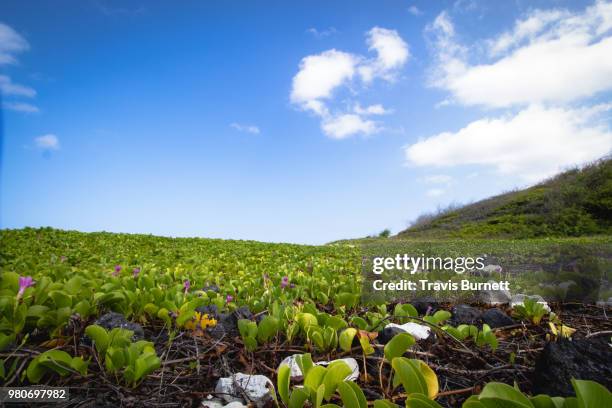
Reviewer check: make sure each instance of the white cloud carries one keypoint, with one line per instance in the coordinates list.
(435, 192)
(551, 56)
(534, 143)
(342, 126)
(8, 87)
(11, 43)
(391, 54)
(20, 107)
(245, 128)
(321, 75)
(322, 33)
(47, 142)
(376, 109)
(414, 10)
(438, 179)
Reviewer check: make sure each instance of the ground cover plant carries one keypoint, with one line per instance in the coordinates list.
(192, 311)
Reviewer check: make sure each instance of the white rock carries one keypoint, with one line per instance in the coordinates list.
(494, 297)
(491, 269)
(519, 299)
(297, 373)
(235, 405)
(418, 331)
(255, 387)
(213, 403)
(293, 365)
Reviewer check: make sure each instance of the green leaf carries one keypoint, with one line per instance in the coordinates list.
(346, 338)
(298, 398)
(496, 392)
(336, 373)
(409, 376)
(385, 404)
(420, 401)
(363, 403)
(99, 337)
(304, 361)
(398, 345)
(268, 327)
(315, 377)
(591, 394)
(282, 382)
(347, 394)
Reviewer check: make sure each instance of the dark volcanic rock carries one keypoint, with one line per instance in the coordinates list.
(464, 314)
(584, 359)
(387, 334)
(496, 318)
(111, 320)
(227, 323)
(425, 304)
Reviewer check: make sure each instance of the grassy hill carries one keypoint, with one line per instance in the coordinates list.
(577, 202)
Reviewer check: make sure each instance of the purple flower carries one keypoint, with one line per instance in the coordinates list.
(284, 282)
(266, 277)
(117, 270)
(292, 286)
(24, 283)
(229, 298)
(186, 285)
(136, 271)
(63, 258)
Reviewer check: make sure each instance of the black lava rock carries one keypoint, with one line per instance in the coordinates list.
(111, 320)
(425, 304)
(496, 318)
(464, 314)
(584, 359)
(387, 334)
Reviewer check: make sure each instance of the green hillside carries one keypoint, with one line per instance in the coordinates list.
(574, 203)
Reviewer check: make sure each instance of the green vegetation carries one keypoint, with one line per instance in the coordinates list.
(574, 203)
(55, 284)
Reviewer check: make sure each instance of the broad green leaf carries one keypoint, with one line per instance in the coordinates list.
(282, 382)
(591, 394)
(398, 345)
(336, 373)
(496, 392)
(99, 337)
(346, 338)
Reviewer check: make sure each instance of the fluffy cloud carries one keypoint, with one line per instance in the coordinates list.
(245, 128)
(376, 109)
(8, 87)
(391, 53)
(11, 43)
(321, 75)
(534, 143)
(47, 142)
(20, 107)
(549, 56)
(342, 126)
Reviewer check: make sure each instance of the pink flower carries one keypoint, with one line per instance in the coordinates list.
(24, 283)
(117, 268)
(229, 298)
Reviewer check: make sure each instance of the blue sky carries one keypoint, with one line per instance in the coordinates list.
(290, 121)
